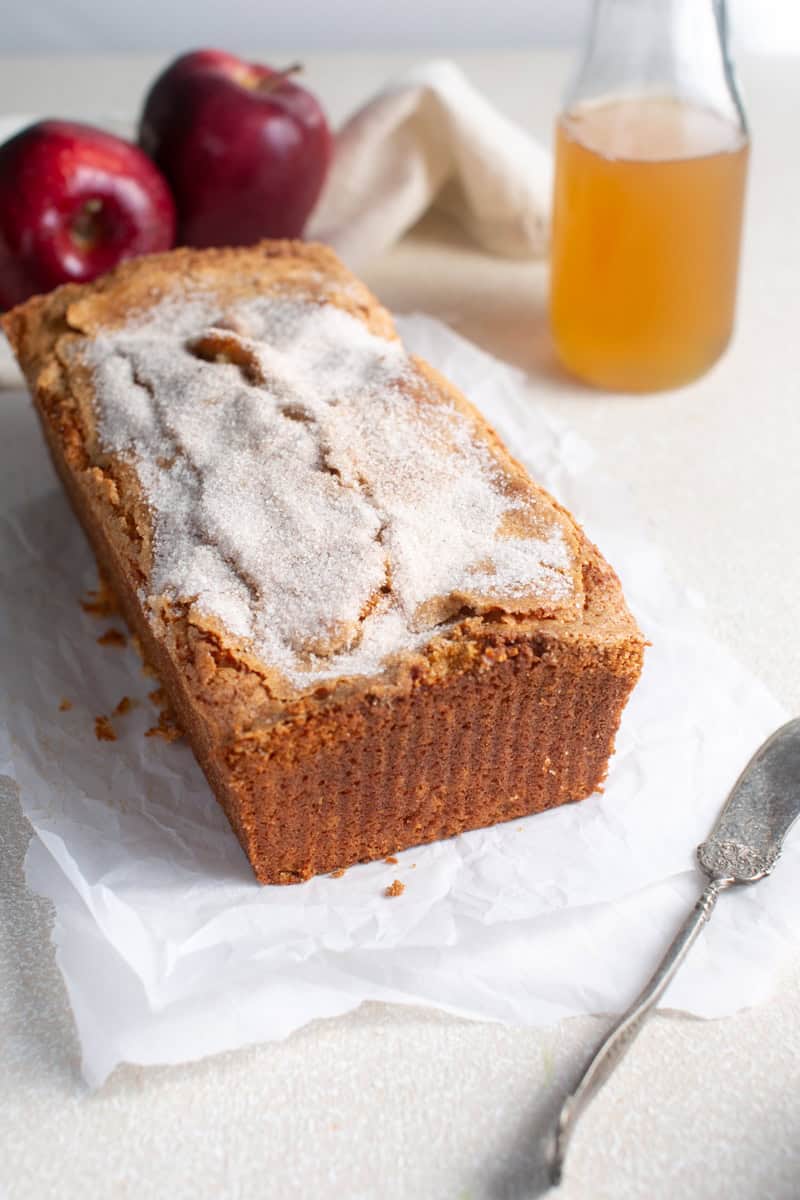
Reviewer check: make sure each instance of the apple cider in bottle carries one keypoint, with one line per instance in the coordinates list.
(651, 163)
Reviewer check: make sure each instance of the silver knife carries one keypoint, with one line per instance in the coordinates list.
(743, 847)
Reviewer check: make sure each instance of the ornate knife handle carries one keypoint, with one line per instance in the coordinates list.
(618, 1040)
(743, 847)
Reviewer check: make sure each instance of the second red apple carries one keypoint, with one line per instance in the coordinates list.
(245, 149)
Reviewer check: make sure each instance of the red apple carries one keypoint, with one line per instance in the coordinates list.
(244, 148)
(74, 201)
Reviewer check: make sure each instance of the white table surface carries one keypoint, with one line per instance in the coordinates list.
(393, 1103)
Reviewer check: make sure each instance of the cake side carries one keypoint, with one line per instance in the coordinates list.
(313, 778)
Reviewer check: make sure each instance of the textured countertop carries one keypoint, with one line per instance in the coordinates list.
(391, 1102)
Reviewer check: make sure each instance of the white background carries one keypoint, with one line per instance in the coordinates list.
(52, 26)
(396, 1102)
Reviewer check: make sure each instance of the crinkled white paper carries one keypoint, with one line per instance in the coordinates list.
(171, 951)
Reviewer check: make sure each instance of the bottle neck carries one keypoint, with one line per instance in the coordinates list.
(675, 48)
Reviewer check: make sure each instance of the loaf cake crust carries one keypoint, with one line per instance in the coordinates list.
(424, 682)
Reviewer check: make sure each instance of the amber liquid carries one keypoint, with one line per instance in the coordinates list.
(646, 230)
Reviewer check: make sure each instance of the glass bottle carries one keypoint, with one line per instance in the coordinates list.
(651, 162)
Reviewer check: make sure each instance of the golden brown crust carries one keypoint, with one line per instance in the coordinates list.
(277, 759)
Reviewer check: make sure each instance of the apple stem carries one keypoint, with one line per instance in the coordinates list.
(275, 80)
(87, 222)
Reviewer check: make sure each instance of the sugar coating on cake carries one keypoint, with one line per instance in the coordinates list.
(311, 490)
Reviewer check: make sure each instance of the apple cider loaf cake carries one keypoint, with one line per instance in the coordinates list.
(374, 628)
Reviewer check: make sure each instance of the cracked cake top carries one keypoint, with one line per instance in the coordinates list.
(321, 495)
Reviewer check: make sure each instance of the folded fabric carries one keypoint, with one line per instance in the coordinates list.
(430, 139)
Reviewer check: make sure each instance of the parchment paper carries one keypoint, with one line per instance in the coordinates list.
(171, 951)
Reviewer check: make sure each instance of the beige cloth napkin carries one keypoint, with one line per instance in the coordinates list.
(430, 139)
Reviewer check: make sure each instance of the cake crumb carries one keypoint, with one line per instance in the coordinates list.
(167, 728)
(125, 705)
(101, 601)
(65, 705)
(395, 888)
(338, 873)
(112, 637)
(390, 858)
(104, 730)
